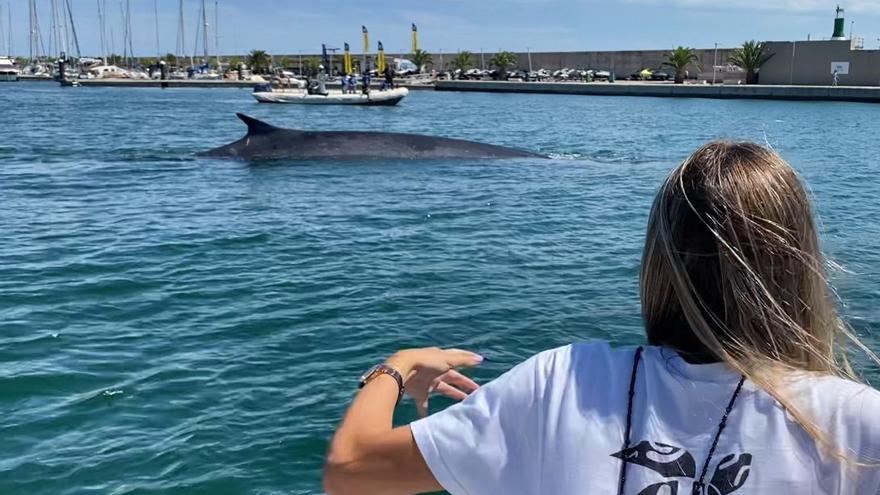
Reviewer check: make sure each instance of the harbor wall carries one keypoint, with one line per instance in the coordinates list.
(809, 63)
(621, 62)
(762, 92)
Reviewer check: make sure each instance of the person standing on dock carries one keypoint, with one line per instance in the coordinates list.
(834, 78)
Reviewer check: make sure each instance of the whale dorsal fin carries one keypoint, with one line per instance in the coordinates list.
(256, 126)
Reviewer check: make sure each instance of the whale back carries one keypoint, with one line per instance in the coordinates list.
(265, 141)
(255, 126)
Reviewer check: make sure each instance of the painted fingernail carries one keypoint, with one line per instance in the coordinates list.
(478, 358)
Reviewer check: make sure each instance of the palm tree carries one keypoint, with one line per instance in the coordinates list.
(284, 62)
(421, 58)
(311, 66)
(680, 59)
(751, 56)
(502, 61)
(258, 60)
(462, 62)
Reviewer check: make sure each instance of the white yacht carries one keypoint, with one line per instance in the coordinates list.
(8, 70)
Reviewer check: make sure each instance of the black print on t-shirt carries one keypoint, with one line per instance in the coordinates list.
(673, 462)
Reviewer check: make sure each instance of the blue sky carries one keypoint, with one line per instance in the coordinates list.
(285, 26)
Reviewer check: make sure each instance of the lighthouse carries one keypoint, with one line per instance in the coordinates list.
(839, 25)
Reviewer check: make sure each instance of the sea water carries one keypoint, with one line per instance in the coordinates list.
(179, 325)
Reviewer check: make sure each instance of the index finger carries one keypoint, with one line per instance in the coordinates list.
(458, 358)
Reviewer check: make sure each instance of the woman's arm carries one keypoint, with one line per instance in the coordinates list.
(368, 456)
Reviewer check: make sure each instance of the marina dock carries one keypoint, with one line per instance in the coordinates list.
(868, 94)
(168, 83)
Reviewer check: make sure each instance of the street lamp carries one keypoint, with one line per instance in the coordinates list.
(715, 64)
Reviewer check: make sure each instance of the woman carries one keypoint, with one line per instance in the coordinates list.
(744, 387)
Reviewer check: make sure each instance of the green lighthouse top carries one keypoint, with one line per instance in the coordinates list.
(838, 25)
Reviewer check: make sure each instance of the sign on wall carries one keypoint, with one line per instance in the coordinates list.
(842, 68)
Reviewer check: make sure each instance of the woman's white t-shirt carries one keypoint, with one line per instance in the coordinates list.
(555, 425)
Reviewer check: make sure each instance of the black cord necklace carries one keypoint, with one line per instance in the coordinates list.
(698, 485)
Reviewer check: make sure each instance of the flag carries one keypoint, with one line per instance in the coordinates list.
(380, 62)
(366, 39)
(346, 60)
(415, 38)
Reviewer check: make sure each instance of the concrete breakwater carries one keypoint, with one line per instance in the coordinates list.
(762, 92)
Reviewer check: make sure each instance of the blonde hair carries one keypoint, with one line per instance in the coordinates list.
(732, 271)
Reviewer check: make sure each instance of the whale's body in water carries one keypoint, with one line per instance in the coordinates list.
(267, 142)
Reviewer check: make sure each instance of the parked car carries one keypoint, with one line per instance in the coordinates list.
(601, 75)
(658, 74)
(539, 75)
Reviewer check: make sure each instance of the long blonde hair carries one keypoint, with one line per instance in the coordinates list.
(732, 271)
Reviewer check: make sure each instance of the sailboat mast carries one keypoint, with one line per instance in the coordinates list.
(196, 41)
(101, 29)
(56, 29)
(205, 30)
(35, 42)
(156, 14)
(62, 18)
(73, 31)
(130, 36)
(53, 31)
(124, 32)
(181, 35)
(2, 34)
(217, 33)
(31, 28)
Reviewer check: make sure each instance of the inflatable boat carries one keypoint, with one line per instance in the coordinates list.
(303, 97)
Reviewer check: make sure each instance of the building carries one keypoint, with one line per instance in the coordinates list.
(814, 62)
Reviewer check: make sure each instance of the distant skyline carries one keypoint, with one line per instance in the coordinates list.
(285, 27)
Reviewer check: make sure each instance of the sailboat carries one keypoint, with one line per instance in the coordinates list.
(8, 70)
(36, 67)
(204, 70)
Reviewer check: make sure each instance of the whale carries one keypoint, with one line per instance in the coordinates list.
(265, 141)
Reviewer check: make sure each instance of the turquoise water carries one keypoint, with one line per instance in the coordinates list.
(178, 325)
